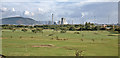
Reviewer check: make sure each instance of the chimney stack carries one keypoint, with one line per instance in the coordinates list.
(52, 18)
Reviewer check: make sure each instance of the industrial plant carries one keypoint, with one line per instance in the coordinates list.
(60, 22)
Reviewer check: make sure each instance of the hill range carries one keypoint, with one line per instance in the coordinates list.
(18, 21)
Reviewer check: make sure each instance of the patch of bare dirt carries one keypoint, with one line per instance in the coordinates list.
(59, 39)
(49, 45)
(3, 38)
(113, 35)
(67, 48)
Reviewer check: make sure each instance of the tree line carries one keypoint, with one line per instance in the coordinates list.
(77, 27)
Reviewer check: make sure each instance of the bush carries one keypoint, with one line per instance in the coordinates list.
(64, 28)
(50, 34)
(72, 29)
(24, 30)
(102, 28)
(63, 31)
(13, 30)
(76, 32)
(34, 31)
(118, 29)
(37, 30)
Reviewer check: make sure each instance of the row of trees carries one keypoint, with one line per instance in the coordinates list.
(77, 27)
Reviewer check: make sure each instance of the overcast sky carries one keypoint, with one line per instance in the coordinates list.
(99, 11)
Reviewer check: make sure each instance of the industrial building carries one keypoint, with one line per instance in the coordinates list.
(62, 21)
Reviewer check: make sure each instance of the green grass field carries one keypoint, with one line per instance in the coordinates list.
(20, 43)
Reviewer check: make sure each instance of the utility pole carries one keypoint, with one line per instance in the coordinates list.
(52, 19)
(96, 23)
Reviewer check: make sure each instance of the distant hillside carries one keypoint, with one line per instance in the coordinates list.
(18, 20)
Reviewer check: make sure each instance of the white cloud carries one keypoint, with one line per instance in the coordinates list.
(13, 9)
(82, 14)
(44, 10)
(60, 0)
(40, 9)
(87, 0)
(32, 14)
(29, 13)
(3, 9)
(101, 1)
(26, 13)
(14, 15)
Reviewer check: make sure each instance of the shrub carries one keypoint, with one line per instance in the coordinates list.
(63, 31)
(72, 29)
(24, 30)
(79, 53)
(13, 30)
(57, 37)
(37, 30)
(76, 32)
(50, 34)
(34, 31)
(102, 28)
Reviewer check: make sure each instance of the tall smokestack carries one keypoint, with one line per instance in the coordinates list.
(52, 18)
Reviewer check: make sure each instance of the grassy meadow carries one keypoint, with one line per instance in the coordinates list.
(92, 43)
